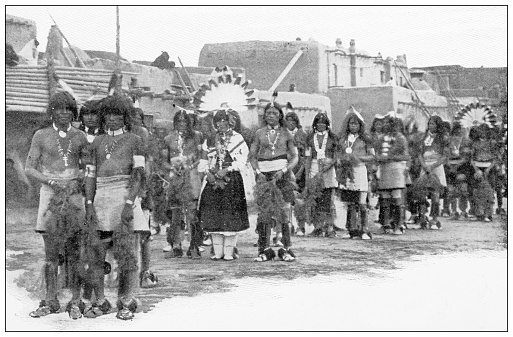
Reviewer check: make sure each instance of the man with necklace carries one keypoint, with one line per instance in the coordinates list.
(54, 161)
(182, 154)
(116, 179)
(273, 155)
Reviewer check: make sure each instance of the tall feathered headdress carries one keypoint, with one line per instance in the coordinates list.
(475, 114)
(224, 92)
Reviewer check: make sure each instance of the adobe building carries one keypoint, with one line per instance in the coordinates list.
(468, 85)
(346, 75)
(319, 67)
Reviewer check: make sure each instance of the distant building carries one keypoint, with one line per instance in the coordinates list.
(347, 76)
(19, 31)
(466, 85)
(318, 69)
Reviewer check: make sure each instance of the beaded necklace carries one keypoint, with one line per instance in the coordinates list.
(64, 155)
(273, 144)
(351, 139)
(222, 142)
(108, 152)
(321, 151)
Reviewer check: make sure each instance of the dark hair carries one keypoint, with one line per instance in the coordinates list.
(456, 128)
(91, 107)
(361, 133)
(320, 118)
(399, 125)
(440, 133)
(229, 115)
(116, 105)
(183, 115)
(294, 117)
(474, 134)
(373, 126)
(275, 105)
(140, 112)
(62, 100)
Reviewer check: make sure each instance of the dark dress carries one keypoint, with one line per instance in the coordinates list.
(224, 210)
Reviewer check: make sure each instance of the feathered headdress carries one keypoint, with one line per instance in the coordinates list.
(224, 92)
(351, 112)
(475, 114)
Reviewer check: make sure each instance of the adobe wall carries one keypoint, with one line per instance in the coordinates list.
(306, 106)
(19, 31)
(264, 61)
(368, 101)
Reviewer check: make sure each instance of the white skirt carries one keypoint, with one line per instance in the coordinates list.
(329, 177)
(360, 183)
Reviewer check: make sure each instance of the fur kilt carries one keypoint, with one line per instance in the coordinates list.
(224, 210)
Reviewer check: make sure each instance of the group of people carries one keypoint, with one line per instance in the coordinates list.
(108, 184)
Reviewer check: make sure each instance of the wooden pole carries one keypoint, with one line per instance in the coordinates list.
(118, 55)
(67, 58)
(187, 74)
(286, 70)
(80, 62)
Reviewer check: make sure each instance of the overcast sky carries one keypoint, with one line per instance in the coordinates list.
(470, 36)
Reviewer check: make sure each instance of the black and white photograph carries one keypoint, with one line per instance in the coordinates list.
(256, 168)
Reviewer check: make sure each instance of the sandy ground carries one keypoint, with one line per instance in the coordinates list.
(449, 279)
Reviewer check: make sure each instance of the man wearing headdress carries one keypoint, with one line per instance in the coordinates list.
(223, 210)
(273, 155)
(181, 157)
(54, 160)
(116, 178)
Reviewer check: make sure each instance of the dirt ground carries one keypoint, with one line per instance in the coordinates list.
(315, 256)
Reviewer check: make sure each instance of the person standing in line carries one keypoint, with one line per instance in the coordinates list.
(433, 155)
(322, 144)
(117, 180)
(273, 155)
(356, 151)
(182, 154)
(295, 128)
(54, 160)
(222, 208)
(484, 154)
(90, 120)
(391, 157)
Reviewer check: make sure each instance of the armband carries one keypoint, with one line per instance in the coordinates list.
(257, 171)
(90, 171)
(139, 161)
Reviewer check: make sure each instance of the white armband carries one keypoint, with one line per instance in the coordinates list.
(308, 152)
(139, 161)
(203, 165)
(90, 171)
